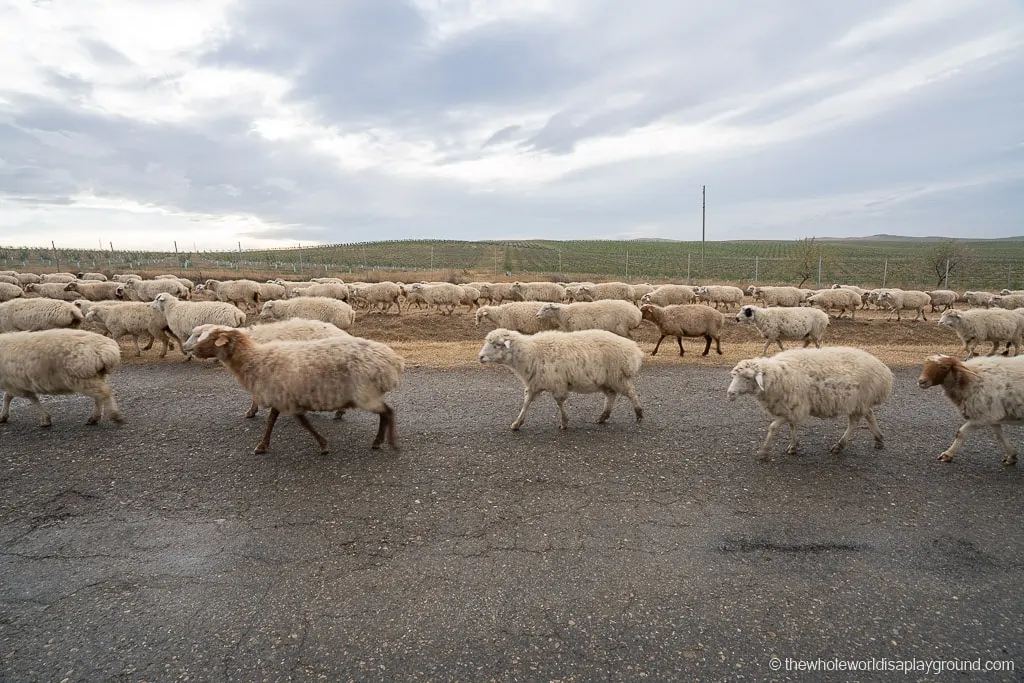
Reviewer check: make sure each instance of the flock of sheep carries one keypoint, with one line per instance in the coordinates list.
(562, 339)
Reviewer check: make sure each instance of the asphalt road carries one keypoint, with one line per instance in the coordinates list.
(164, 550)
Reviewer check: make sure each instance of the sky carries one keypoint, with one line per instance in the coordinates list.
(275, 123)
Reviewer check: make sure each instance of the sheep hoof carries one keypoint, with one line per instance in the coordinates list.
(879, 444)
(92, 420)
(1010, 460)
(259, 450)
(639, 415)
(791, 450)
(515, 426)
(604, 418)
(838, 448)
(762, 452)
(945, 457)
(46, 423)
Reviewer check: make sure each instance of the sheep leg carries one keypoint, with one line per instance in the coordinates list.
(338, 414)
(320, 440)
(609, 403)
(148, 346)
(718, 344)
(104, 399)
(45, 420)
(776, 423)
(794, 442)
(995, 348)
(271, 419)
(764, 349)
(1011, 454)
(253, 409)
(386, 427)
(958, 440)
(5, 412)
(563, 417)
(165, 341)
(853, 313)
(138, 350)
(682, 351)
(528, 397)
(875, 431)
(630, 391)
(854, 420)
(659, 344)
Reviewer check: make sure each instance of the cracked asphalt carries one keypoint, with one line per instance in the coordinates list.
(164, 550)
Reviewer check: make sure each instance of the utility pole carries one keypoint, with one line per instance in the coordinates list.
(703, 212)
(885, 272)
(55, 259)
(945, 279)
(627, 264)
(755, 268)
(239, 259)
(300, 258)
(819, 271)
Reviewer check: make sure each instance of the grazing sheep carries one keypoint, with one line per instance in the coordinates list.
(293, 329)
(981, 325)
(685, 320)
(96, 291)
(843, 299)
(618, 317)
(669, 295)
(296, 377)
(724, 295)
(58, 362)
(986, 391)
(147, 290)
(1008, 302)
(51, 290)
(799, 383)
(184, 316)
(582, 362)
(132, 318)
(794, 324)
(982, 299)
(9, 291)
(92, 277)
(905, 300)
(520, 316)
(604, 291)
(942, 297)
(778, 296)
(337, 313)
(439, 294)
(33, 315)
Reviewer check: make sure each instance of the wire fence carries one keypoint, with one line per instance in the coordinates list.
(762, 263)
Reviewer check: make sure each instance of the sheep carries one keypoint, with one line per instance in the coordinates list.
(778, 296)
(412, 298)
(293, 329)
(332, 290)
(241, 293)
(536, 291)
(383, 294)
(843, 299)
(496, 292)
(58, 362)
(980, 325)
(337, 313)
(776, 324)
(571, 288)
(669, 295)
(5, 273)
(942, 297)
(852, 288)
(725, 295)
(184, 316)
(33, 315)
(93, 277)
(685, 320)
(269, 291)
(982, 299)
(640, 290)
(10, 280)
(909, 300)
(147, 290)
(439, 294)
(295, 377)
(582, 362)
(520, 316)
(58, 278)
(51, 290)
(132, 318)
(28, 279)
(605, 291)
(618, 317)
(986, 391)
(96, 291)
(470, 296)
(1008, 302)
(126, 277)
(799, 383)
(9, 291)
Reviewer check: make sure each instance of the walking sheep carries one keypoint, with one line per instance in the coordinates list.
(724, 295)
(184, 316)
(686, 320)
(905, 300)
(986, 391)
(33, 315)
(791, 324)
(132, 318)
(520, 316)
(619, 317)
(604, 291)
(147, 290)
(669, 295)
(58, 362)
(536, 291)
(843, 299)
(825, 383)
(322, 308)
(9, 291)
(981, 325)
(296, 377)
(942, 297)
(567, 362)
(778, 296)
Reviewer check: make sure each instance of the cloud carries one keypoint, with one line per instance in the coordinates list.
(270, 122)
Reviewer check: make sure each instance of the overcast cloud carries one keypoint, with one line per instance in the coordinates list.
(272, 122)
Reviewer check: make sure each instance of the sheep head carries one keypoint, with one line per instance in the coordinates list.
(548, 310)
(499, 346)
(747, 378)
(941, 369)
(746, 314)
(951, 318)
(219, 342)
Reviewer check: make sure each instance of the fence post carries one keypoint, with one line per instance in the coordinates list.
(627, 264)
(819, 271)
(1009, 269)
(945, 280)
(559, 261)
(755, 268)
(885, 272)
(687, 267)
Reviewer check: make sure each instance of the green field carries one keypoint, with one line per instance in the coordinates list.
(992, 264)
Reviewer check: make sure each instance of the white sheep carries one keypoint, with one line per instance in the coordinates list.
(982, 299)
(51, 290)
(296, 377)
(843, 299)
(567, 362)
(184, 316)
(640, 290)
(778, 296)
(132, 318)
(9, 291)
(520, 316)
(686, 320)
(28, 279)
(669, 295)
(605, 291)
(383, 294)
(613, 315)
(724, 295)
(905, 300)
(147, 290)
(269, 291)
(33, 315)
(126, 277)
(96, 291)
(792, 324)
(10, 280)
(439, 294)
(536, 291)
(981, 325)
(470, 296)
(1008, 302)
(58, 278)
(942, 297)
(496, 292)
(986, 391)
(58, 362)
(92, 277)
(333, 311)
(244, 294)
(330, 290)
(825, 383)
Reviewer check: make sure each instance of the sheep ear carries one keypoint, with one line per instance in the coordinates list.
(759, 378)
(508, 343)
(221, 341)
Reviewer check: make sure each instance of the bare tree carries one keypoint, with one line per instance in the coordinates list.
(805, 257)
(957, 254)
